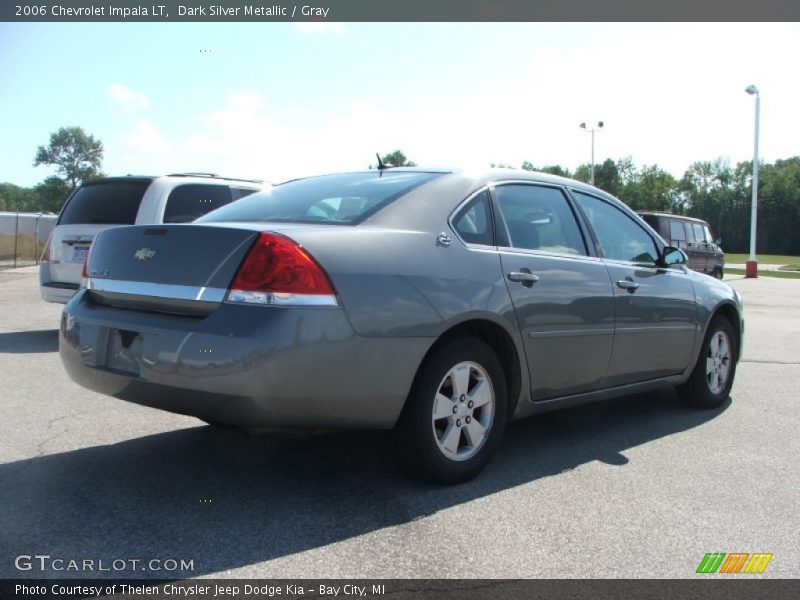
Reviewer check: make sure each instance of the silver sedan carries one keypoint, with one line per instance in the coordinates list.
(435, 304)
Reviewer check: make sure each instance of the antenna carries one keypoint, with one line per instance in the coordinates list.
(382, 165)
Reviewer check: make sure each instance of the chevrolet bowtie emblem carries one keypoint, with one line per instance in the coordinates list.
(144, 254)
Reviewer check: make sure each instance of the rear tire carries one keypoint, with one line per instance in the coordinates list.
(710, 383)
(455, 415)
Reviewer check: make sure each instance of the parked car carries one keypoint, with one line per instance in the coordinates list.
(113, 201)
(691, 235)
(435, 304)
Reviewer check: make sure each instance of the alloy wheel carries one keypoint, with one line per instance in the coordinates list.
(463, 411)
(718, 362)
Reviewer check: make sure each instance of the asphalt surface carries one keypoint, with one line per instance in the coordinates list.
(636, 487)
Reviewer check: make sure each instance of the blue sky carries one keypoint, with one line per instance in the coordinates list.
(282, 100)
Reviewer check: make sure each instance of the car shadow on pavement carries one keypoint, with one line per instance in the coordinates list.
(25, 342)
(225, 500)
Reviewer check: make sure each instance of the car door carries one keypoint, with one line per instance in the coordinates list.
(715, 259)
(655, 319)
(703, 247)
(695, 247)
(561, 293)
(679, 238)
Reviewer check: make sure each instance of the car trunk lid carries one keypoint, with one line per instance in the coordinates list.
(180, 269)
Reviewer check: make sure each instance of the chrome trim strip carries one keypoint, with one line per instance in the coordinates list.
(654, 329)
(278, 299)
(156, 290)
(569, 333)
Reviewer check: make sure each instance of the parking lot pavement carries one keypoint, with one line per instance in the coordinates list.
(636, 487)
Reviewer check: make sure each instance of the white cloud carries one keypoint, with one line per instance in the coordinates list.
(319, 27)
(128, 100)
(668, 94)
(147, 139)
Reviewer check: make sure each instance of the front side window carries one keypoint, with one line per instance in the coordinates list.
(539, 218)
(619, 236)
(473, 223)
(707, 231)
(188, 202)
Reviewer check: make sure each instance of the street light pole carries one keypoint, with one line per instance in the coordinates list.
(592, 131)
(751, 268)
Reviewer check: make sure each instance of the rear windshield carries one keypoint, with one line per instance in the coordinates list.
(338, 199)
(114, 202)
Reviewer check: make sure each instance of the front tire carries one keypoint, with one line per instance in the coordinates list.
(712, 378)
(455, 415)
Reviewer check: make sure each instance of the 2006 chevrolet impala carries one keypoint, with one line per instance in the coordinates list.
(438, 304)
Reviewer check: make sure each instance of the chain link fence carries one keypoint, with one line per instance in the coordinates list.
(23, 237)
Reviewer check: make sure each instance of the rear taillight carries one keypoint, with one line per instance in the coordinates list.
(85, 274)
(45, 257)
(278, 271)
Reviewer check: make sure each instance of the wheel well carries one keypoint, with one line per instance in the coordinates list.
(499, 340)
(732, 315)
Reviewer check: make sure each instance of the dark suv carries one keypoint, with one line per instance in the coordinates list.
(691, 235)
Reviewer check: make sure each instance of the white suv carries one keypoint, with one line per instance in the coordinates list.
(129, 200)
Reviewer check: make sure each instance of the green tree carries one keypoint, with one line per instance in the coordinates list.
(607, 177)
(76, 155)
(551, 169)
(656, 189)
(556, 170)
(397, 159)
(51, 194)
(17, 198)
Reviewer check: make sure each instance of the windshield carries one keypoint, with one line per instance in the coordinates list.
(113, 202)
(343, 199)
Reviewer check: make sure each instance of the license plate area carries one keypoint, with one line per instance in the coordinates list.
(124, 351)
(79, 253)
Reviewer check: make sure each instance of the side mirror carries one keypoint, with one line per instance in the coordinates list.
(671, 256)
(718, 241)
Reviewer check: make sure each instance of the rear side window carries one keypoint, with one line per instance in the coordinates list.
(342, 199)
(188, 202)
(105, 203)
(677, 233)
(237, 192)
(474, 222)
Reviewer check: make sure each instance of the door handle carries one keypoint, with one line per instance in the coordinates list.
(524, 277)
(627, 284)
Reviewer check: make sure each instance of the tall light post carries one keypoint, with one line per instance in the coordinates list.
(592, 131)
(751, 267)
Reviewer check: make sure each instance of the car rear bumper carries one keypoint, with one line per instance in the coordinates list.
(59, 292)
(248, 366)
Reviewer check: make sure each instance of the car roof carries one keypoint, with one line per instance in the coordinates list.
(189, 176)
(485, 175)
